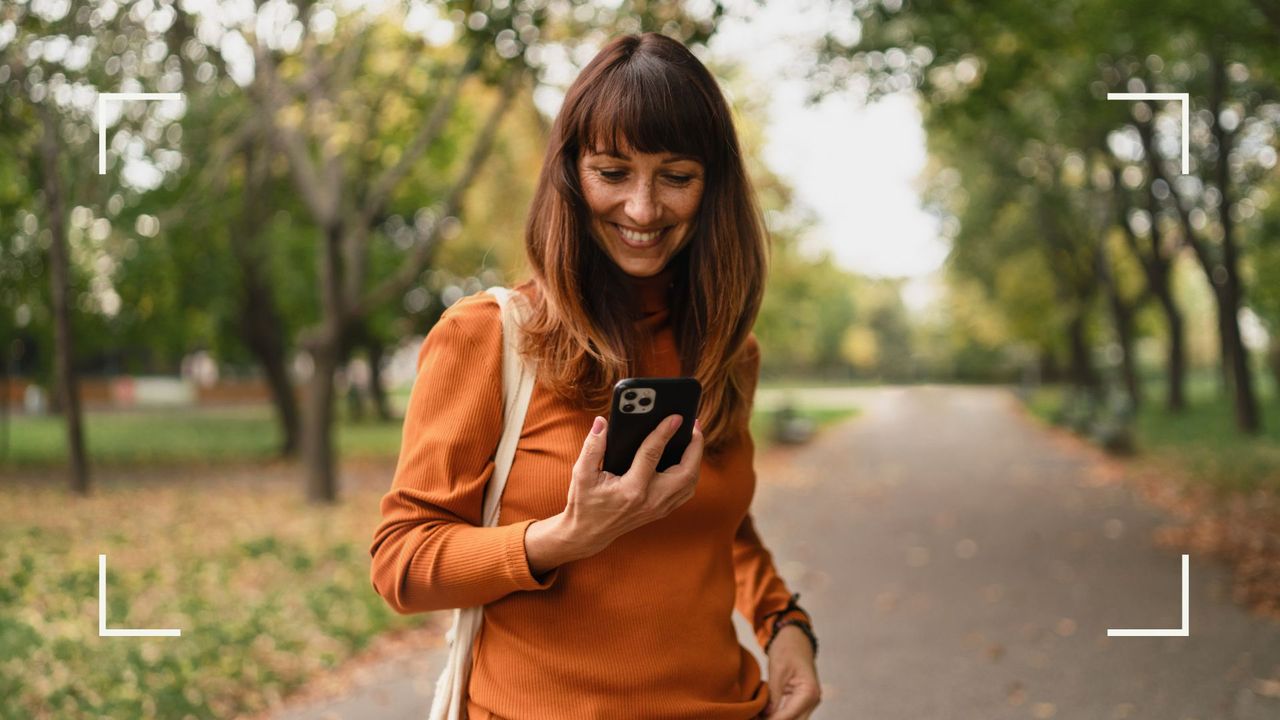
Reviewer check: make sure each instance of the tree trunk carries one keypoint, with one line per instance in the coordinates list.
(376, 389)
(1157, 266)
(68, 389)
(1225, 364)
(1248, 419)
(1231, 292)
(327, 351)
(1122, 312)
(1175, 397)
(264, 335)
(317, 447)
(261, 328)
(1128, 368)
(1047, 358)
(1274, 357)
(1083, 374)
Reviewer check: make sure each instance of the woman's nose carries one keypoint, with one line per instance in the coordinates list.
(642, 206)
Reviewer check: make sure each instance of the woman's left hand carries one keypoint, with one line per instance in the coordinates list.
(794, 690)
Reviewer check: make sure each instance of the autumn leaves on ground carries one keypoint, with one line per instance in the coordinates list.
(1221, 490)
(270, 591)
(267, 590)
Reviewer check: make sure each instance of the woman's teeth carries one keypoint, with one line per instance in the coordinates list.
(638, 239)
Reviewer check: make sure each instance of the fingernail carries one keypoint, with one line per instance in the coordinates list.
(697, 424)
(597, 426)
(674, 422)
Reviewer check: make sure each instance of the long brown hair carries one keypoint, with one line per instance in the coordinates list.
(651, 92)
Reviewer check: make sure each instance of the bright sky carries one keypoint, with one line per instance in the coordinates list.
(853, 165)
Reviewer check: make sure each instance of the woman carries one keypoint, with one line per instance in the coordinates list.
(606, 596)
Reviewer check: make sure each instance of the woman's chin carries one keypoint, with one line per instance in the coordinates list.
(641, 267)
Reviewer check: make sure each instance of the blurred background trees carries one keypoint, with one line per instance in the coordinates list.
(337, 174)
(1068, 213)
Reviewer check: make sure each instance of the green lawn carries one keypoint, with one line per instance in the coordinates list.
(181, 436)
(821, 417)
(1201, 442)
(215, 436)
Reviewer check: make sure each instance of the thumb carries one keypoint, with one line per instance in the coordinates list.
(592, 455)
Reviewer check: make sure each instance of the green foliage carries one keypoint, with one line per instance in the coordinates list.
(808, 307)
(1014, 98)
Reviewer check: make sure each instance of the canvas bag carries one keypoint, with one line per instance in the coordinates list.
(449, 702)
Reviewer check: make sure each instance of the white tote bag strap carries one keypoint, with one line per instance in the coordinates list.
(517, 387)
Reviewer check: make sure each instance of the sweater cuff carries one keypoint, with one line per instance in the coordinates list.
(764, 633)
(517, 560)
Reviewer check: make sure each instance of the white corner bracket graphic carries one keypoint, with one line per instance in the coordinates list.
(103, 630)
(1183, 631)
(1185, 98)
(102, 118)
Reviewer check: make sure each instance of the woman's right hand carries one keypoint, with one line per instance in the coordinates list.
(602, 506)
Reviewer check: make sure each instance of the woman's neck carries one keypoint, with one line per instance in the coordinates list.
(652, 292)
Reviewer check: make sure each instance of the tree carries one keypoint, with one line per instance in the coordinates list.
(1027, 71)
(55, 62)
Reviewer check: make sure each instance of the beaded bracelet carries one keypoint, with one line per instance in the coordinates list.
(782, 621)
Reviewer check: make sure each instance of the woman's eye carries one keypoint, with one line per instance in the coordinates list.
(680, 179)
(612, 175)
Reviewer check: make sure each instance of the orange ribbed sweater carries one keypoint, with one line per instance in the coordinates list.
(642, 629)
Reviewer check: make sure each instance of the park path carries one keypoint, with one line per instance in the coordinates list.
(961, 563)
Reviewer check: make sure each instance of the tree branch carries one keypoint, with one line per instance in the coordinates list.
(414, 265)
(268, 89)
(1202, 251)
(426, 137)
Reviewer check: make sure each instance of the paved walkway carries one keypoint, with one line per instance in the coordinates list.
(961, 565)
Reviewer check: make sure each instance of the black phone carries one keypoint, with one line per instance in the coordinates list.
(639, 405)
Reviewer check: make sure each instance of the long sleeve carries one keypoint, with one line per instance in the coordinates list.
(761, 593)
(428, 552)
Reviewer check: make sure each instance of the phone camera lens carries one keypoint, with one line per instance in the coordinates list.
(628, 407)
(629, 395)
(645, 401)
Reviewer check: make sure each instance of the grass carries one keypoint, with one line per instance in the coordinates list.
(180, 436)
(1202, 442)
(267, 590)
(213, 436)
(821, 417)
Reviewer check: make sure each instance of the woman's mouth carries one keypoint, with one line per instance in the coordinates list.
(630, 238)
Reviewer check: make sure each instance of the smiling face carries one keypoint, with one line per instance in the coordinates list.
(642, 205)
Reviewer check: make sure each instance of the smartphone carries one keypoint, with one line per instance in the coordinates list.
(639, 406)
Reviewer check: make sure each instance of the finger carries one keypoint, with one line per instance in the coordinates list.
(692, 457)
(592, 454)
(780, 708)
(775, 695)
(787, 709)
(650, 452)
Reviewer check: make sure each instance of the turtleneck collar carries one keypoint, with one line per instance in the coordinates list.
(652, 292)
